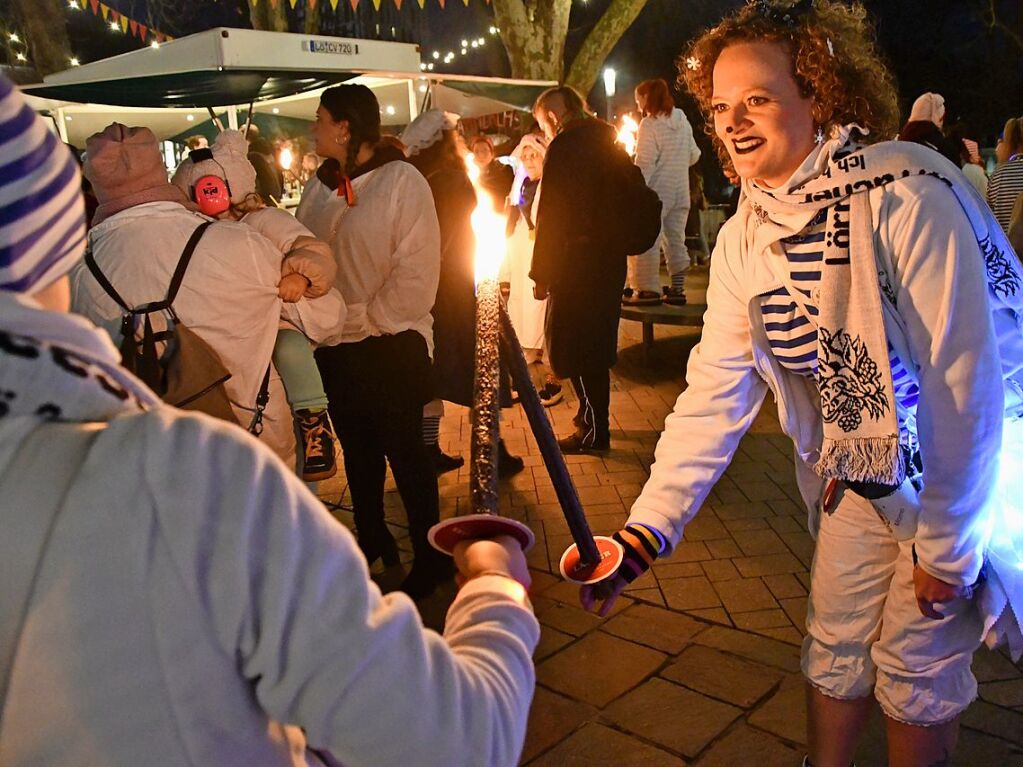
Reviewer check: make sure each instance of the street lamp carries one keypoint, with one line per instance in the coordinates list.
(609, 90)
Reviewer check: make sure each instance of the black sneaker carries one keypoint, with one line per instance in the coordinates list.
(317, 445)
(443, 463)
(508, 465)
(574, 444)
(675, 296)
(626, 293)
(551, 393)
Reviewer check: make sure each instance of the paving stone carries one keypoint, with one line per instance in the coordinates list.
(795, 608)
(801, 544)
(743, 525)
(720, 570)
(745, 595)
(595, 744)
(750, 646)
(788, 634)
(804, 578)
(551, 719)
(598, 668)
(768, 564)
(571, 619)
(975, 749)
(743, 510)
(653, 596)
(724, 548)
(672, 716)
(689, 593)
(992, 666)
(1008, 693)
(712, 614)
(784, 586)
(704, 528)
(690, 551)
(744, 745)
(761, 619)
(756, 543)
(785, 524)
(762, 491)
(784, 713)
(714, 673)
(551, 640)
(994, 720)
(541, 580)
(666, 568)
(661, 629)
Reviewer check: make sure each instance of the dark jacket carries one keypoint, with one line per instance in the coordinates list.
(928, 134)
(574, 255)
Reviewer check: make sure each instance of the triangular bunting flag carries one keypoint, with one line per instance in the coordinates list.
(422, 3)
(311, 5)
(160, 37)
(124, 23)
(143, 29)
(466, 3)
(376, 4)
(397, 4)
(134, 25)
(333, 4)
(354, 4)
(105, 10)
(95, 6)
(273, 3)
(114, 15)
(292, 3)
(440, 3)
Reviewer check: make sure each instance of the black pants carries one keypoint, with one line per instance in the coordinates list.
(594, 415)
(377, 389)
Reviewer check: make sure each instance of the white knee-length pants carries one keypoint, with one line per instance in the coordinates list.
(645, 268)
(866, 633)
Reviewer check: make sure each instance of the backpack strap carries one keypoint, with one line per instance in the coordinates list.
(186, 257)
(63, 448)
(101, 278)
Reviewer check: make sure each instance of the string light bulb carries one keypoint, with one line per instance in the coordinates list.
(74, 62)
(113, 26)
(14, 38)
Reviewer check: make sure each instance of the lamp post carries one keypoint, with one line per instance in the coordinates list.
(609, 91)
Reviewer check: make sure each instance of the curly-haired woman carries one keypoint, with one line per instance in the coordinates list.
(865, 283)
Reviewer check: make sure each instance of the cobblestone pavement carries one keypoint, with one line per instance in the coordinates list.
(698, 664)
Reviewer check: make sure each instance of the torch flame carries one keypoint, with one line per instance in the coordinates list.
(488, 225)
(627, 134)
(286, 158)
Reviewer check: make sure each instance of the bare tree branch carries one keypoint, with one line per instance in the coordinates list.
(601, 40)
(42, 22)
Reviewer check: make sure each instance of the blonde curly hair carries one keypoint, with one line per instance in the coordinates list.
(835, 62)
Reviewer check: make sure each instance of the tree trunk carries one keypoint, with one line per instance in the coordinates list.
(533, 33)
(276, 15)
(42, 23)
(602, 39)
(257, 14)
(312, 16)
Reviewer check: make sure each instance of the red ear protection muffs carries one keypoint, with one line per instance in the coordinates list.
(211, 193)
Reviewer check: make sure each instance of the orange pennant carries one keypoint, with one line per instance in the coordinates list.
(134, 26)
(143, 30)
(397, 4)
(354, 4)
(95, 6)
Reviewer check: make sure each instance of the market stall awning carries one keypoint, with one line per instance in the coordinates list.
(221, 67)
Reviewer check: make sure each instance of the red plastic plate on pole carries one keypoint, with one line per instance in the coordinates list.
(611, 556)
(444, 536)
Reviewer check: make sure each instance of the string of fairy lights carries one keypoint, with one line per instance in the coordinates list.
(120, 24)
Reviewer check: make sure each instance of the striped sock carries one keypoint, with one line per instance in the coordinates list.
(678, 281)
(641, 545)
(431, 429)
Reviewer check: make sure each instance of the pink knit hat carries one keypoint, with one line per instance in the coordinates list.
(230, 162)
(126, 169)
(929, 106)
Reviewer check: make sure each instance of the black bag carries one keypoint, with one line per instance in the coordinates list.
(638, 216)
(187, 374)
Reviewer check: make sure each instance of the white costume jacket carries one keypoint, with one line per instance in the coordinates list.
(943, 331)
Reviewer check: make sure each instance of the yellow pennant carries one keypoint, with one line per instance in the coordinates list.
(292, 3)
(124, 23)
(333, 4)
(376, 4)
(105, 10)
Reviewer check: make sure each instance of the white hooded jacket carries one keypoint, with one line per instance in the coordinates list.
(665, 150)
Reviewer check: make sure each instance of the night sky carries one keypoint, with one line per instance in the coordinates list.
(939, 45)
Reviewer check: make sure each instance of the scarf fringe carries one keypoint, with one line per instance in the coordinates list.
(866, 459)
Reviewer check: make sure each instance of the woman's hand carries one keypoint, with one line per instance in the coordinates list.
(607, 591)
(931, 591)
(292, 287)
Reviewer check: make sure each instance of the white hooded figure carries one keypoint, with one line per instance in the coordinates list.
(665, 150)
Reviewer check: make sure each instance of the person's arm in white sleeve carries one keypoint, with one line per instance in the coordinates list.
(411, 288)
(647, 151)
(942, 298)
(722, 398)
(288, 596)
(694, 148)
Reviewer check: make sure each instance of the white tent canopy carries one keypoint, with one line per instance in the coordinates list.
(169, 88)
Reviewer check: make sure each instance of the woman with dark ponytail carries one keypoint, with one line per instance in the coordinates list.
(377, 213)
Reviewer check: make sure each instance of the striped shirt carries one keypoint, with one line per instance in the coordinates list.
(42, 214)
(791, 319)
(1005, 186)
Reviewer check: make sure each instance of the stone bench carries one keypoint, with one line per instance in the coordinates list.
(690, 315)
